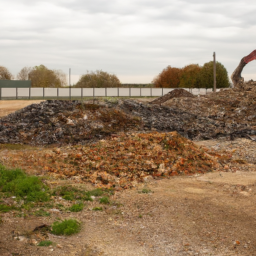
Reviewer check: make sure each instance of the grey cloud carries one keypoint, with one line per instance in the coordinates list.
(130, 38)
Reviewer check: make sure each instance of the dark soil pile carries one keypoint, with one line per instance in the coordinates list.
(63, 122)
(177, 93)
(191, 125)
(232, 109)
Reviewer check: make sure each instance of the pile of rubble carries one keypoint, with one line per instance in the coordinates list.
(122, 161)
(63, 122)
(232, 109)
(193, 125)
(229, 113)
(177, 93)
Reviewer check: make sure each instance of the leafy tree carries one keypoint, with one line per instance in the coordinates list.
(98, 79)
(41, 76)
(168, 78)
(5, 74)
(206, 75)
(190, 76)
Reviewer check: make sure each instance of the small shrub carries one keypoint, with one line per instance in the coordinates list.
(66, 227)
(45, 243)
(76, 207)
(97, 209)
(104, 200)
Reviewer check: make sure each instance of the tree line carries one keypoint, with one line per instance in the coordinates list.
(190, 76)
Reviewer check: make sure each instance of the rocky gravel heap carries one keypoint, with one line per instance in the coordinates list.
(193, 125)
(63, 122)
(232, 109)
(229, 113)
(177, 93)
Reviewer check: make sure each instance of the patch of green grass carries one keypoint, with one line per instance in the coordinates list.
(104, 200)
(29, 188)
(41, 213)
(70, 193)
(76, 207)
(97, 209)
(6, 208)
(96, 192)
(45, 243)
(66, 227)
(140, 216)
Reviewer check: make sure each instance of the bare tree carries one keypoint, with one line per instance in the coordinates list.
(24, 73)
(236, 77)
(62, 77)
(5, 74)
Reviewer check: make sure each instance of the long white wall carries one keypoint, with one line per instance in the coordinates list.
(18, 93)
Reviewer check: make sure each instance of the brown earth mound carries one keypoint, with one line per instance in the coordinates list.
(177, 93)
(123, 161)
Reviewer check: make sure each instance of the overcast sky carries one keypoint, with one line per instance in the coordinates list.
(133, 39)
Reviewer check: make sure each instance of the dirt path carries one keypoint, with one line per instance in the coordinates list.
(9, 106)
(211, 214)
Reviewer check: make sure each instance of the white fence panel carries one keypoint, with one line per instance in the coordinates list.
(124, 92)
(135, 92)
(9, 92)
(99, 92)
(63, 92)
(87, 92)
(50, 92)
(36, 92)
(76, 92)
(145, 92)
(156, 92)
(23, 92)
(112, 92)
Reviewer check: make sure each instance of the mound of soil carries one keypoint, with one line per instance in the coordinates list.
(124, 160)
(177, 93)
(63, 122)
(192, 125)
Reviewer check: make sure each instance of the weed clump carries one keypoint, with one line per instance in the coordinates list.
(6, 208)
(66, 227)
(45, 243)
(97, 209)
(104, 200)
(76, 207)
(29, 188)
(70, 193)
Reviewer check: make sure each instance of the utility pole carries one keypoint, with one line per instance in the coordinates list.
(69, 78)
(214, 72)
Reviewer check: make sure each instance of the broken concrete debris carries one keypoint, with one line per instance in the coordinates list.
(229, 113)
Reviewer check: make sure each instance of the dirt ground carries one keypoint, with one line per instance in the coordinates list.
(206, 214)
(9, 106)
